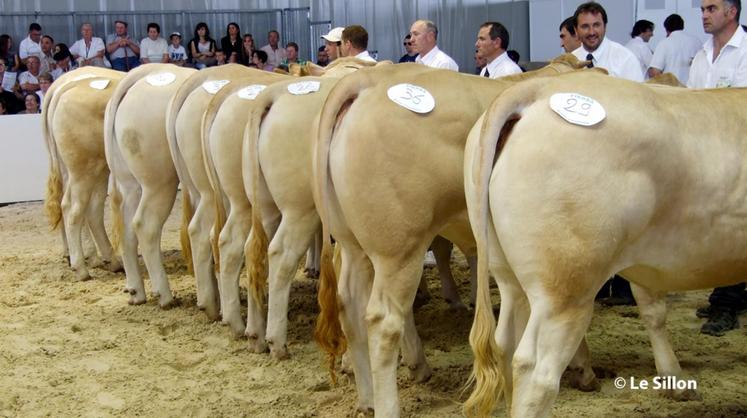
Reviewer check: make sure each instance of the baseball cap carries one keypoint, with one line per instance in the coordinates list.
(335, 35)
(175, 34)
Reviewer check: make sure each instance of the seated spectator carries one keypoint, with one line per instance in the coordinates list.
(31, 101)
(247, 49)
(89, 50)
(45, 80)
(177, 53)
(260, 60)
(322, 59)
(154, 49)
(30, 45)
(410, 55)
(220, 57)
(515, 57)
(231, 44)
(123, 51)
(291, 53)
(63, 58)
(47, 59)
(29, 79)
(6, 52)
(202, 47)
(12, 99)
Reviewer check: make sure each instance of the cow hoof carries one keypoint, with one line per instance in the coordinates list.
(236, 326)
(683, 395)
(346, 364)
(114, 266)
(135, 300)
(213, 313)
(67, 260)
(167, 303)
(364, 411)
(95, 262)
(420, 372)
(589, 384)
(256, 344)
(457, 306)
(311, 273)
(279, 353)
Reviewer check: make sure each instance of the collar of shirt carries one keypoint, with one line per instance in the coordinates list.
(734, 42)
(497, 62)
(429, 57)
(599, 53)
(365, 56)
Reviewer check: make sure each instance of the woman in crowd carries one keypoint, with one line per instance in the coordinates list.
(247, 49)
(7, 54)
(231, 44)
(154, 49)
(31, 101)
(202, 47)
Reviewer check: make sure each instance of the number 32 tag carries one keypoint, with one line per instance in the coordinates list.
(577, 109)
(412, 97)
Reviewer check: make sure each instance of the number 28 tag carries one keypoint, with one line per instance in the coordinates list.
(412, 97)
(577, 109)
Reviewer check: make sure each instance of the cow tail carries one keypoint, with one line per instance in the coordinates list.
(220, 211)
(488, 375)
(53, 198)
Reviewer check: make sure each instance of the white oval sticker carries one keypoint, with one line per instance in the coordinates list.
(99, 84)
(250, 92)
(412, 97)
(160, 79)
(303, 87)
(214, 86)
(577, 108)
(83, 77)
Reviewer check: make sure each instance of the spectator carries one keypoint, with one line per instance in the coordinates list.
(123, 50)
(259, 59)
(177, 53)
(63, 58)
(47, 60)
(30, 45)
(424, 35)
(28, 80)
(247, 50)
(642, 32)
(220, 57)
(6, 52)
(332, 42)
(275, 55)
(291, 52)
(202, 47)
(45, 80)
(322, 59)
(3, 107)
(355, 43)
(568, 39)
(480, 63)
(410, 55)
(492, 43)
(231, 44)
(12, 98)
(31, 102)
(153, 48)
(675, 53)
(89, 50)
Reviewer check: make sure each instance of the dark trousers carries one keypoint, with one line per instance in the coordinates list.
(125, 64)
(731, 298)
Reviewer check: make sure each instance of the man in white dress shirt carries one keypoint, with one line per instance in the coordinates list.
(275, 54)
(30, 45)
(491, 44)
(642, 32)
(591, 26)
(675, 53)
(423, 36)
(355, 43)
(722, 62)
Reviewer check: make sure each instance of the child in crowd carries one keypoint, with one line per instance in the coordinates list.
(220, 57)
(177, 53)
(45, 80)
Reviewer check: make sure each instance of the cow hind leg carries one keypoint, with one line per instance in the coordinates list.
(152, 212)
(255, 314)
(442, 248)
(413, 355)
(98, 230)
(74, 205)
(293, 237)
(231, 243)
(134, 286)
(653, 308)
(202, 257)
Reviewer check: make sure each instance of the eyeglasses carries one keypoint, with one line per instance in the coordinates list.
(407, 43)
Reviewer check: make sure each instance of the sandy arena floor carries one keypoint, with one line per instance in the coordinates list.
(72, 348)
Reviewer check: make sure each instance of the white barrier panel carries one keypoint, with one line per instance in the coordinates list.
(23, 159)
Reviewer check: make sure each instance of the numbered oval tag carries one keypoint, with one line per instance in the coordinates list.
(160, 79)
(577, 108)
(99, 84)
(250, 92)
(412, 97)
(214, 86)
(83, 77)
(303, 87)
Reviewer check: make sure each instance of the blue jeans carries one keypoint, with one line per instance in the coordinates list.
(120, 64)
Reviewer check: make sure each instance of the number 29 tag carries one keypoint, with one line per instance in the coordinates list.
(577, 109)
(412, 97)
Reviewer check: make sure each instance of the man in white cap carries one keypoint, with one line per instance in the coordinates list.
(423, 35)
(332, 43)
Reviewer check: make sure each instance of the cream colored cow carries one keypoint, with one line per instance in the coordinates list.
(654, 191)
(77, 168)
(388, 181)
(138, 155)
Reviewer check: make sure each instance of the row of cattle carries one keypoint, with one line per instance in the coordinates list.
(645, 180)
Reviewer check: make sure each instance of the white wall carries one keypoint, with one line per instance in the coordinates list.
(23, 159)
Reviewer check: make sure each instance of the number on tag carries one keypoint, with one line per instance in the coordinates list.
(250, 92)
(214, 86)
(303, 87)
(160, 79)
(412, 97)
(577, 108)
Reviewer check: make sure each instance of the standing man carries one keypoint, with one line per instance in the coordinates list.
(275, 55)
(424, 35)
(491, 44)
(642, 32)
(722, 62)
(591, 26)
(123, 50)
(355, 43)
(30, 45)
(410, 55)
(332, 43)
(675, 53)
(568, 39)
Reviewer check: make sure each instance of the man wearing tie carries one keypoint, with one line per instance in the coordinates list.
(492, 42)
(591, 26)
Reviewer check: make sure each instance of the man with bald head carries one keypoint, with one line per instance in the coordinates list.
(423, 36)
